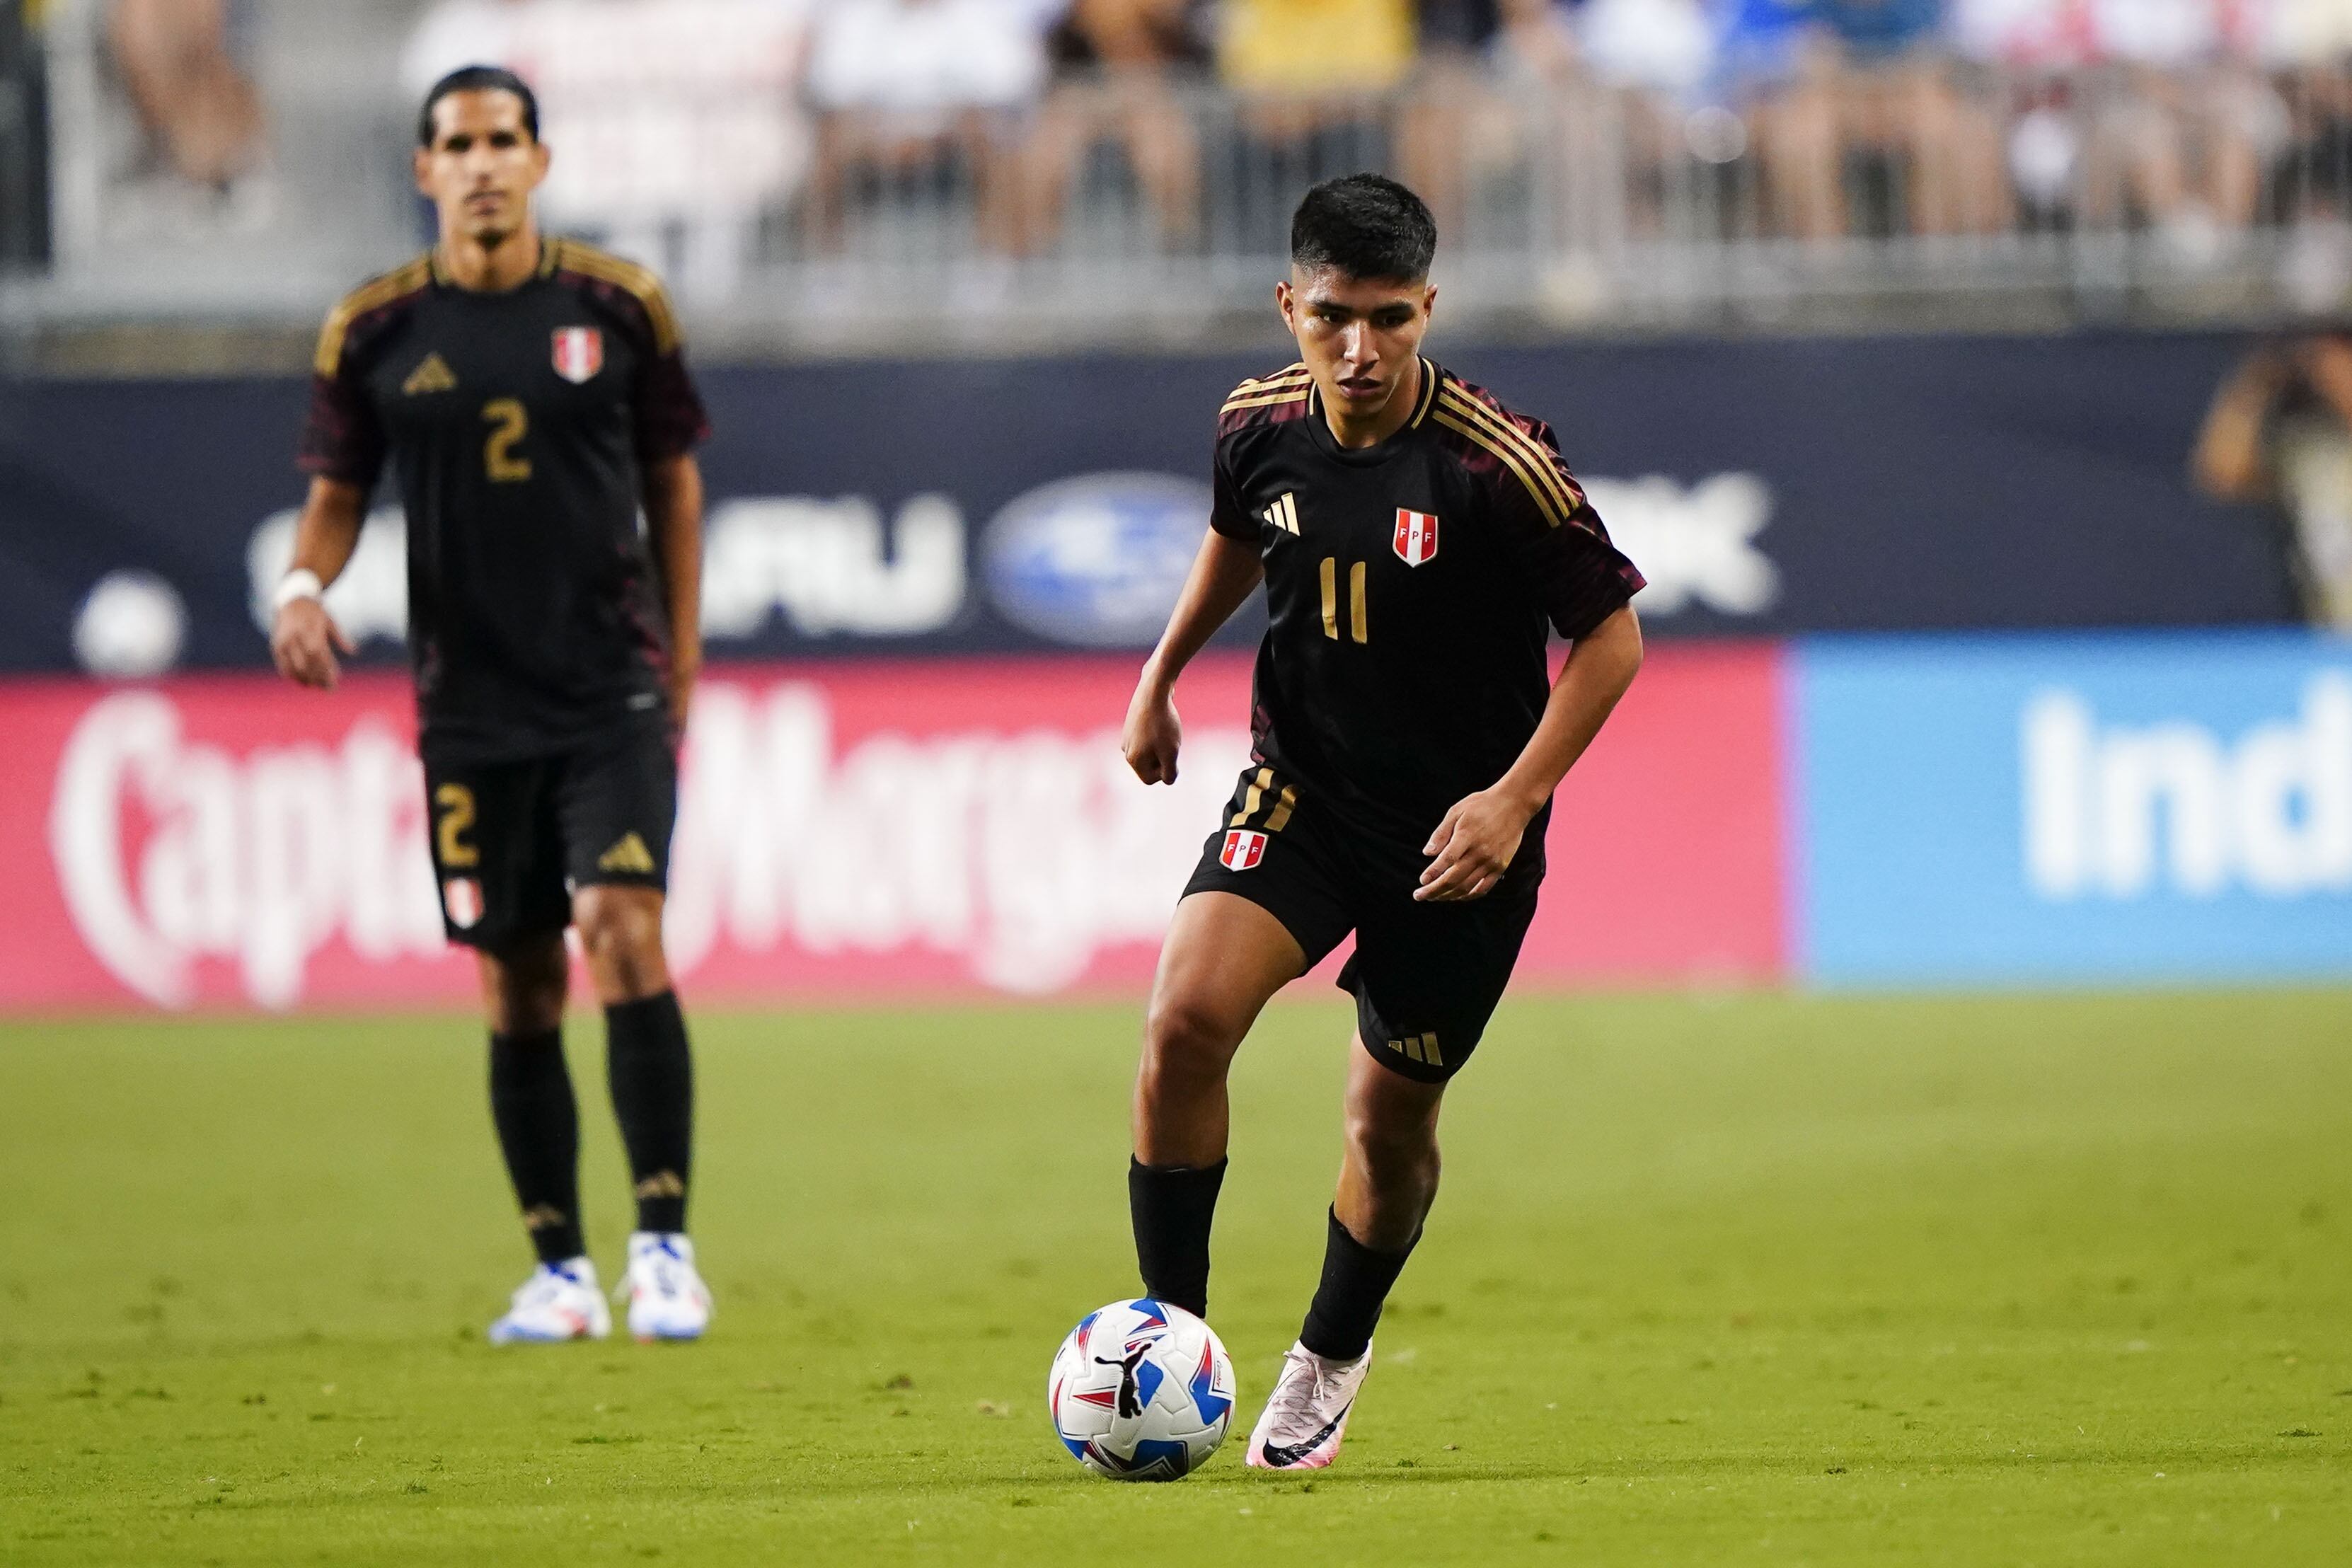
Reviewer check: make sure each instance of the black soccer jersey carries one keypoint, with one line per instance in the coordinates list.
(1413, 586)
(520, 424)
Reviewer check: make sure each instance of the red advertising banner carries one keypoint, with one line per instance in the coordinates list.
(844, 830)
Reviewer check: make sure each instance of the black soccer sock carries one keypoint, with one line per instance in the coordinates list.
(651, 1072)
(1173, 1207)
(538, 1132)
(1356, 1281)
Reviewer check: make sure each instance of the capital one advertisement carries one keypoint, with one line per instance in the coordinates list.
(892, 830)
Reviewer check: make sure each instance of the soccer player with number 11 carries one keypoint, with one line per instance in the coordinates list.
(1418, 542)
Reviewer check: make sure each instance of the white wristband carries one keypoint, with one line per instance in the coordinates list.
(299, 583)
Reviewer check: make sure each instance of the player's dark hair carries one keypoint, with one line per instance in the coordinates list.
(1366, 226)
(478, 78)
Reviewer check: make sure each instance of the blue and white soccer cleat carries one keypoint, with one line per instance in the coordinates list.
(668, 1299)
(560, 1301)
(1308, 1414)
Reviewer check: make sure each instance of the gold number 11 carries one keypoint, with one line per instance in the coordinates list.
(1358, 627)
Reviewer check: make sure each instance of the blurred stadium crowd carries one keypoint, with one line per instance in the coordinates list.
(1856, 143)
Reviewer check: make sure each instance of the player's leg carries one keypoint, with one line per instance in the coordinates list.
(502, 875)
(1426, 978)
(1224, 958)
(1388, 1180)
(618, 804)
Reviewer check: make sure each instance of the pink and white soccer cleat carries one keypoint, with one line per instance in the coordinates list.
(1308, 1414)
(560, 1301)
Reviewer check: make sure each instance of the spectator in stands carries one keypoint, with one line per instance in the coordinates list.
(916, 92)
(1871, 84)
(456, 33)
(2021, 59)
(2281, 432)
(1661, 114)
(198, 107)
(2181, 124)
(2309, 44)
(1116, 64)
(1314, 78)
(1451, 119)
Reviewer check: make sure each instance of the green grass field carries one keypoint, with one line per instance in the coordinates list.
(1748, 1280)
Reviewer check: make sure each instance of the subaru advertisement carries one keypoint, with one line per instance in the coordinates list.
(923, 509)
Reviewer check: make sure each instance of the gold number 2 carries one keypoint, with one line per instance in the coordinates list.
(1358, 625)
(513, 422)
(456, 804)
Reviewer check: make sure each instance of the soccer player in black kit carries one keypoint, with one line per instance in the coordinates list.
(1418, 542)
(531, 395)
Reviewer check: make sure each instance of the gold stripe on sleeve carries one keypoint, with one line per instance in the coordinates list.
(637, 281)
(1510, 460)
(371, 295)
(1546, 462)
(1502, 438)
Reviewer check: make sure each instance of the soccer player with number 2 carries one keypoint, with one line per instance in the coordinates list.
(531, 395)
(1418, 542)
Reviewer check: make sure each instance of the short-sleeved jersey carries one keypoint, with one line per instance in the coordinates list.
(520, 425)
(1413, 587)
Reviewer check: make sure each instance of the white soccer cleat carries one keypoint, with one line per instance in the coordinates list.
(1308, 1414)
(560, 1301)
(668, 1299)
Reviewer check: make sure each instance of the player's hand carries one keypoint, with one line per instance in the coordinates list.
(1153, 734)
(1472, 847)
(304, 640)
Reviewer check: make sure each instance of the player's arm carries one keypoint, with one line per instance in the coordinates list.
(1225, 574)
(2229, 461)
(1474, 844)
(672, 501)
(303, 637)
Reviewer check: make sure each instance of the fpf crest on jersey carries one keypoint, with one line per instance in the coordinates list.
(1416, 536)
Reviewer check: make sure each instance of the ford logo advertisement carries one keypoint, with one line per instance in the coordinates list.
(1096, 561)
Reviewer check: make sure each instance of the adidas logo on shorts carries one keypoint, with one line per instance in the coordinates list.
(629, 857)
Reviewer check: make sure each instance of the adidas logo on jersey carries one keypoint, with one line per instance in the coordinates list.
(629, 857)
(1284, 513)
(432, 375)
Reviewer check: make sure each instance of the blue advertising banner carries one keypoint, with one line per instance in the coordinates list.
(2062, 810)
(1765, 488)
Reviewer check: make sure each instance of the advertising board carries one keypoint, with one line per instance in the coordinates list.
(889, 828)
(2072, 810)
(1053, 505)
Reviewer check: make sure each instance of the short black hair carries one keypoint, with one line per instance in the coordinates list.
(1366, 226)
(478, 78)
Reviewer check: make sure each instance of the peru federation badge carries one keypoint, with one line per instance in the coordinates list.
(1416, 537)
(462, 898)
(579, 354)
(1245, 847)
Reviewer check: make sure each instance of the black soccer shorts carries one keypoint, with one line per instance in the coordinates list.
(511, 840)
(1426, 977)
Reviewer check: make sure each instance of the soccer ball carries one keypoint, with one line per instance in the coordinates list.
(1141, 1391)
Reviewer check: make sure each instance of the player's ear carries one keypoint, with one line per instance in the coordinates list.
(1285, 302)
(421, 164)
(541, 155)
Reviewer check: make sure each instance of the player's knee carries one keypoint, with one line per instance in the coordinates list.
(620, 930)
(1185, 1039)
(1399, 1154)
